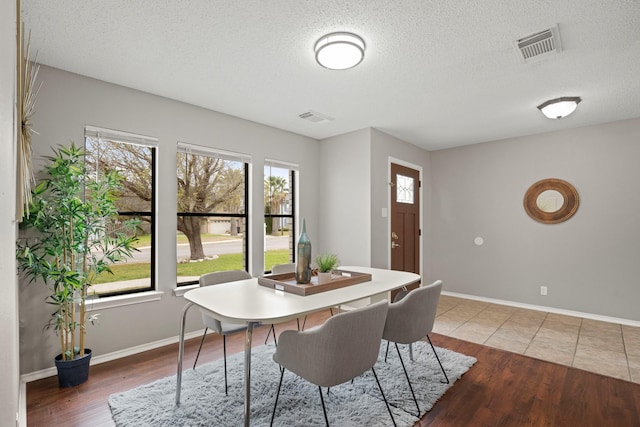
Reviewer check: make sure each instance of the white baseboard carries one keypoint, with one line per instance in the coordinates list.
(600, 317)
(96, 360)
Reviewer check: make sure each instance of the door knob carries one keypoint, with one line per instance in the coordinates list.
(394, 235)
(394, 245)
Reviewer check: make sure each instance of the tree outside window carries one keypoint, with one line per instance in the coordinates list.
(212, 217)
(133, 156)
(279, 213)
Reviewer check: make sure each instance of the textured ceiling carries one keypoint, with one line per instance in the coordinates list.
(436, 73)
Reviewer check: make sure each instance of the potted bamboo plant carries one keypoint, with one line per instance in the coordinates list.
(326, 263)
(70, 241)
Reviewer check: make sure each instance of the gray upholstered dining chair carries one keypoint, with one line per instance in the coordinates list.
(342, 348)
(222, 328)
(289, 267)
(410, 318)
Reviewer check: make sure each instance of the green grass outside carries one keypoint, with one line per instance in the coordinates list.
(131, 271)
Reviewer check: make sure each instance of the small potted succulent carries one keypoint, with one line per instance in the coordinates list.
(326, 263)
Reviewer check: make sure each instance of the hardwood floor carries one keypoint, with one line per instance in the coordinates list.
(507, 389)
(501, 389)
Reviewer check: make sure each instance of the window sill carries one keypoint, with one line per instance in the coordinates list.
(122, 300)
(181, 290)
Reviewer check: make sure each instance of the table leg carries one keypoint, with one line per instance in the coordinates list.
(247, 373)
(181, 352)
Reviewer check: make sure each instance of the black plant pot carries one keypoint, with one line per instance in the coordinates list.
(73, 372)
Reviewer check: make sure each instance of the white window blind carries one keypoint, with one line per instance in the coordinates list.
(116, 135)
(281, 164)
(200, 150)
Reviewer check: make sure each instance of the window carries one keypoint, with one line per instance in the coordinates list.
(134, 157)
(279, 212)
(404, 192)
(212, 213)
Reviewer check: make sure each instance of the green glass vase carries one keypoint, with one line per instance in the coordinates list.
(303, 261)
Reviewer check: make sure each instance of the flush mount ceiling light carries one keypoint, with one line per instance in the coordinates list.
(339, 51)
(559, 107)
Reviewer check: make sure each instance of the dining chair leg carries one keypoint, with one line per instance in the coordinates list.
(383, 396)
(200, 348)
(272, 330)
(224, 353)
(408, 380)
(438, 359)
(303, 323)
(324, 410)
(277, 396)
(386, 352)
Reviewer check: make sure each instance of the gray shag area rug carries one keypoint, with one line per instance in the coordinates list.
(203, 402)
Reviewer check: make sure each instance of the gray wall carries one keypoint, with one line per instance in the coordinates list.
(68, 102)
(344, 190)
(354, 189)
(589, 263)
(9, 289)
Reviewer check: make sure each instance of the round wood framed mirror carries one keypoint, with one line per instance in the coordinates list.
(551, 201)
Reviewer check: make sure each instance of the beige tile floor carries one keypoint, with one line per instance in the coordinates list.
(605, 348)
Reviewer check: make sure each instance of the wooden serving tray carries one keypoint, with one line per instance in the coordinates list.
(287, 282)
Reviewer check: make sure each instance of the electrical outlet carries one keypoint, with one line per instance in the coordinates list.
(543, 290)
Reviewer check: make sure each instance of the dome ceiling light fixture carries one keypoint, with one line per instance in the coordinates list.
(339, 51)
(559, 107)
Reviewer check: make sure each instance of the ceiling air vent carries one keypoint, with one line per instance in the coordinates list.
(539, 45)
(315, 117)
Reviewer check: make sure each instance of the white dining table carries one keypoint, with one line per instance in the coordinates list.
(246, 301)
